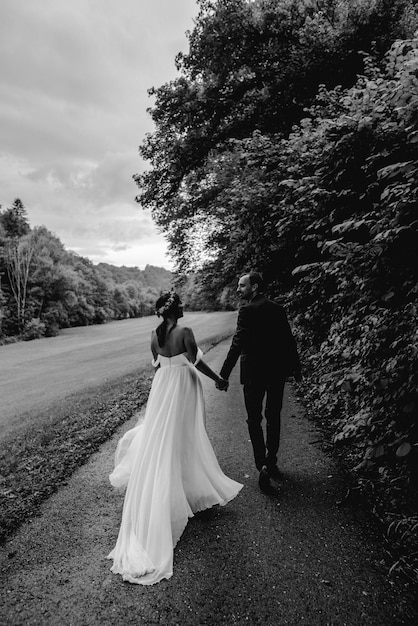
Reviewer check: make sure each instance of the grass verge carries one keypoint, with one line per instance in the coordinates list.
(37, 460)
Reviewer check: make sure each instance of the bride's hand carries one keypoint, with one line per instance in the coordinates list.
(221, 384)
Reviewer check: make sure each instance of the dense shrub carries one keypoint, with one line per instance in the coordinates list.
(34, 329)
(360, 299)
(357, 305)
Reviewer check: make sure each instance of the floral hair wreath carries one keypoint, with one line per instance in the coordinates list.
(167, 306)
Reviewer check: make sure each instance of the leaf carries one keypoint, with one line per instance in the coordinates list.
(379, 451)
(395, 170)
(349, 226)
(390, 232)
(388, 296)
(338, 248)
(370, 453)
(403, 450)
(363, 465)
(305, 269)
(347, 432)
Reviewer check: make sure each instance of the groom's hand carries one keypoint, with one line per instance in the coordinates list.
(221, 384)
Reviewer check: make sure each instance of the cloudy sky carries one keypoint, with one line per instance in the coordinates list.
(74, 76)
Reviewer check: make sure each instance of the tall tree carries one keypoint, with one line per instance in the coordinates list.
(252, 67)
(18, 259)
(14, 220)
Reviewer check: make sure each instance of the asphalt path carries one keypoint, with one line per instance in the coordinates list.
(297, 557)
(36, 374)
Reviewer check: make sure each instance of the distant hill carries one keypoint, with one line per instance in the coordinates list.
(157, 278)
(45, 287)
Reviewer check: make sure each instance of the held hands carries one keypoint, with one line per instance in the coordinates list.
(221, 384)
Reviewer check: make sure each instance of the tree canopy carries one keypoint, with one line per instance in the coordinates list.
(44, 287)
(251, 67)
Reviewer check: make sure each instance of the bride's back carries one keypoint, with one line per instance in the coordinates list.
(173, 344)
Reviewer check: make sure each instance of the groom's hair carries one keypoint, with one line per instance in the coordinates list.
(256, 278)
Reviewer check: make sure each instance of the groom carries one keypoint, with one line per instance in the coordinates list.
(268, 352)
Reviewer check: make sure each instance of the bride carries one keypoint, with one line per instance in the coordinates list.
(167, 462)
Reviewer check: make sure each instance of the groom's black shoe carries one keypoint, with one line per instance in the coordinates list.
(274, 472)
(264, 480)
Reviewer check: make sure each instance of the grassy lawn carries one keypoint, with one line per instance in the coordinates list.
(44, 453)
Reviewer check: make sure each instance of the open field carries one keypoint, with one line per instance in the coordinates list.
(36, 374)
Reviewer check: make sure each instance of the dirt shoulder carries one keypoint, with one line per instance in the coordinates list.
(294, 558)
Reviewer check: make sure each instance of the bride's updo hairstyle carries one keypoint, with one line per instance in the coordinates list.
(164, 307)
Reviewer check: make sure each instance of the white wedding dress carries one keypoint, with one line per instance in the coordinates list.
(170, 470)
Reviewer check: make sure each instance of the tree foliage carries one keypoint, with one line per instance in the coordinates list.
(14, 221)
(44, 287)
(358, 301)
(275, 160)
(252, 66)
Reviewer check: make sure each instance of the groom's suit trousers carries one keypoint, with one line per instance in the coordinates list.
(265, 449)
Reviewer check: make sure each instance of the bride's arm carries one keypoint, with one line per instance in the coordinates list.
(154, 347)
(191, 347)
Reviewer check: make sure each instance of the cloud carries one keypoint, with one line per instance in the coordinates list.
(101, 183)
(120, 242)
(75, 74)
(73, 99)
(111, 178)
(120, 225)
(95, 218)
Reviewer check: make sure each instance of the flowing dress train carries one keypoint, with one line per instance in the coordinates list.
(170, 470)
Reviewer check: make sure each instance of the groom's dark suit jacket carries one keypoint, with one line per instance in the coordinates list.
(264, 342)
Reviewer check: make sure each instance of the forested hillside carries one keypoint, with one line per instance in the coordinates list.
(44, 287)
(288, 144)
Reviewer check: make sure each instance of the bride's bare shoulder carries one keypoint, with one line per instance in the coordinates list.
(188, 338)
(186, 331)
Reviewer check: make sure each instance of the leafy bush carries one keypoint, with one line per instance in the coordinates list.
(34, 329)
(357, 306)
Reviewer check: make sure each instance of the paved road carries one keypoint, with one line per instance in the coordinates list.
(35, 374)
(296, 559)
